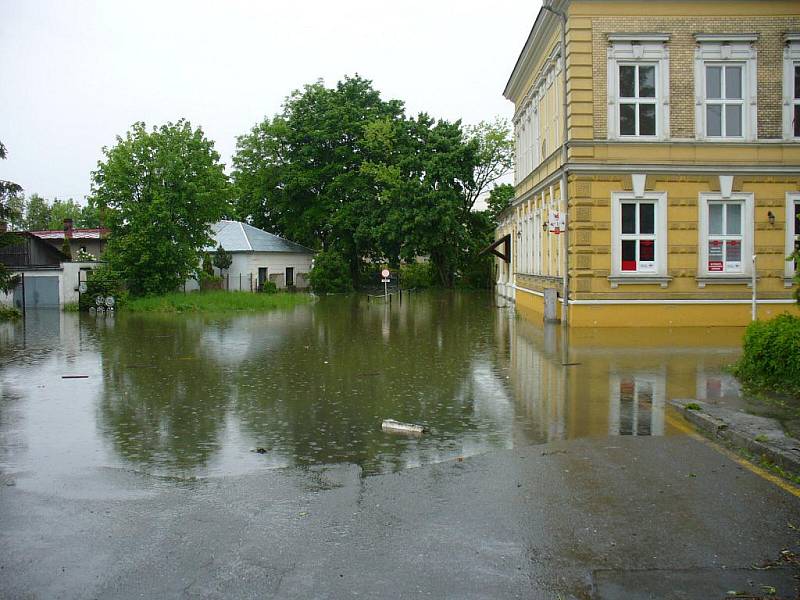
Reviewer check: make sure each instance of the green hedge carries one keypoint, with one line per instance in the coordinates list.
(771, 359)
(417, 275)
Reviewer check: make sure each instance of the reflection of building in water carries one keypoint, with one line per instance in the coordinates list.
(636, 404)
(569, 383)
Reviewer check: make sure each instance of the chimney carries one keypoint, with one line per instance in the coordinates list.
(68, 228)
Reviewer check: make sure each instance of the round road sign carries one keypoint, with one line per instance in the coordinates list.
(385, 273)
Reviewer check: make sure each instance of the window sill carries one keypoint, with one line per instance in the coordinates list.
(705, 280)
(639, 279)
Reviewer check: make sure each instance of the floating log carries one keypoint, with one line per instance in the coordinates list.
(74, 377)
(397, 427)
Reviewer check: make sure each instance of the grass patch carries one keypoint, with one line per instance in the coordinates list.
(693, 406)
(214, 301)
(71, 307)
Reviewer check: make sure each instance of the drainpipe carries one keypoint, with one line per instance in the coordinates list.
(564, 159)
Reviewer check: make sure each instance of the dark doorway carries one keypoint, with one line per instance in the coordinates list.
(289, 276)
(262, 277)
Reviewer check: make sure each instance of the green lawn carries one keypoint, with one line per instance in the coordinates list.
(214, 301)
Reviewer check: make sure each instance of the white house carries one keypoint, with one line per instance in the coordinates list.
(258, 256)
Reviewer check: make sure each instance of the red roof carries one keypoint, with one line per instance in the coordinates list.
(77, 234)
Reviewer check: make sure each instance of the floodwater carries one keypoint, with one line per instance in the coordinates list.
(188, 396)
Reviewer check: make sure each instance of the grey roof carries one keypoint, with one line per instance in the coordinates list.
(241, 237)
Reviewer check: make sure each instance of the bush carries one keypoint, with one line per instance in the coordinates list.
(208, 281)
(103, 282)
(330, 273)
(269, 287)
(417, 275)
(9, 313)
(771, 358)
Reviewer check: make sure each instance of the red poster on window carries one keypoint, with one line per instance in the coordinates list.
(715, 266)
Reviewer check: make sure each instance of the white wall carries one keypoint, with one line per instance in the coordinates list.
(67, 284)
(248, 263)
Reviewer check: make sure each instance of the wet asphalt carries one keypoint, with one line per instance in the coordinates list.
(617, 518)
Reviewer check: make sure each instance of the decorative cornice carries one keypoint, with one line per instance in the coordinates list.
(725, 37)
(638, 37)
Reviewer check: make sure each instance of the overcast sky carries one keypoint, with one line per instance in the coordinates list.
(75, 74)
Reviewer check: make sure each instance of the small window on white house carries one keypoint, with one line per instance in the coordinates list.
(726, 234)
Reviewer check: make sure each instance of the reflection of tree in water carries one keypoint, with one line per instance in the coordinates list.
(164, 401)
(323, 397)
(310, 384)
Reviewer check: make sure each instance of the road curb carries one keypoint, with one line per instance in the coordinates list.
(761, 436)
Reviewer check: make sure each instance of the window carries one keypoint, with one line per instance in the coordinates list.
(795, 109)
(637, 100)
(724, 100)
(791, 87)
(725, 77)
(638, 85)
(639, 236)
(792, 233)
(726, 234)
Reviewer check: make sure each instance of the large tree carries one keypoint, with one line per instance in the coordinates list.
(300, 172)
(160, 191)
(494, 158)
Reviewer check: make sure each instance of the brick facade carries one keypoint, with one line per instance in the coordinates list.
(681, 46)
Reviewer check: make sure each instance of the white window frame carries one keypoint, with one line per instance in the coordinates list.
(645, 50)
(747, 200)
(791, 59)
(792, 199)
(660, 273)
(725, 50)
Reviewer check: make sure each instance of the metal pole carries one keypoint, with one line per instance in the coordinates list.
(754, 314)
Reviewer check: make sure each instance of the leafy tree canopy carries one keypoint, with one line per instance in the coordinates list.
(160, 191)
(8, 190)
(499, 199)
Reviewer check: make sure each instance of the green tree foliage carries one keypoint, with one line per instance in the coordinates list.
(499, 199)
(222, 258)
(330, 274)
(342, 169)
(37, 214)
(8, 190)
(300, 173)
(494, 157)
(160, 191)
(103, 282)
(771, 355)
(66, 249)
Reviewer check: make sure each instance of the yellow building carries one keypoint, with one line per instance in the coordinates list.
(674, 129)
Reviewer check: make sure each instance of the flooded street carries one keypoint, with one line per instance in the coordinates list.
(193, 396)
(553, 467)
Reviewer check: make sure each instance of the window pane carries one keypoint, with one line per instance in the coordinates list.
(628, 255)
(797, 81)
(733, 83)
(734, 219)
(627, 119)
(797, 120)
(627, 82)
(715, 256)
(733, 255)
(629, 218)
(647, 251)
(713, 82)
(715, 219)
(647, 82)
(647, 119)
(647, 213)
(714, 120)
(733, 120)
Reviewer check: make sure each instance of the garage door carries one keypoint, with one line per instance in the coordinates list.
(39, 292)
